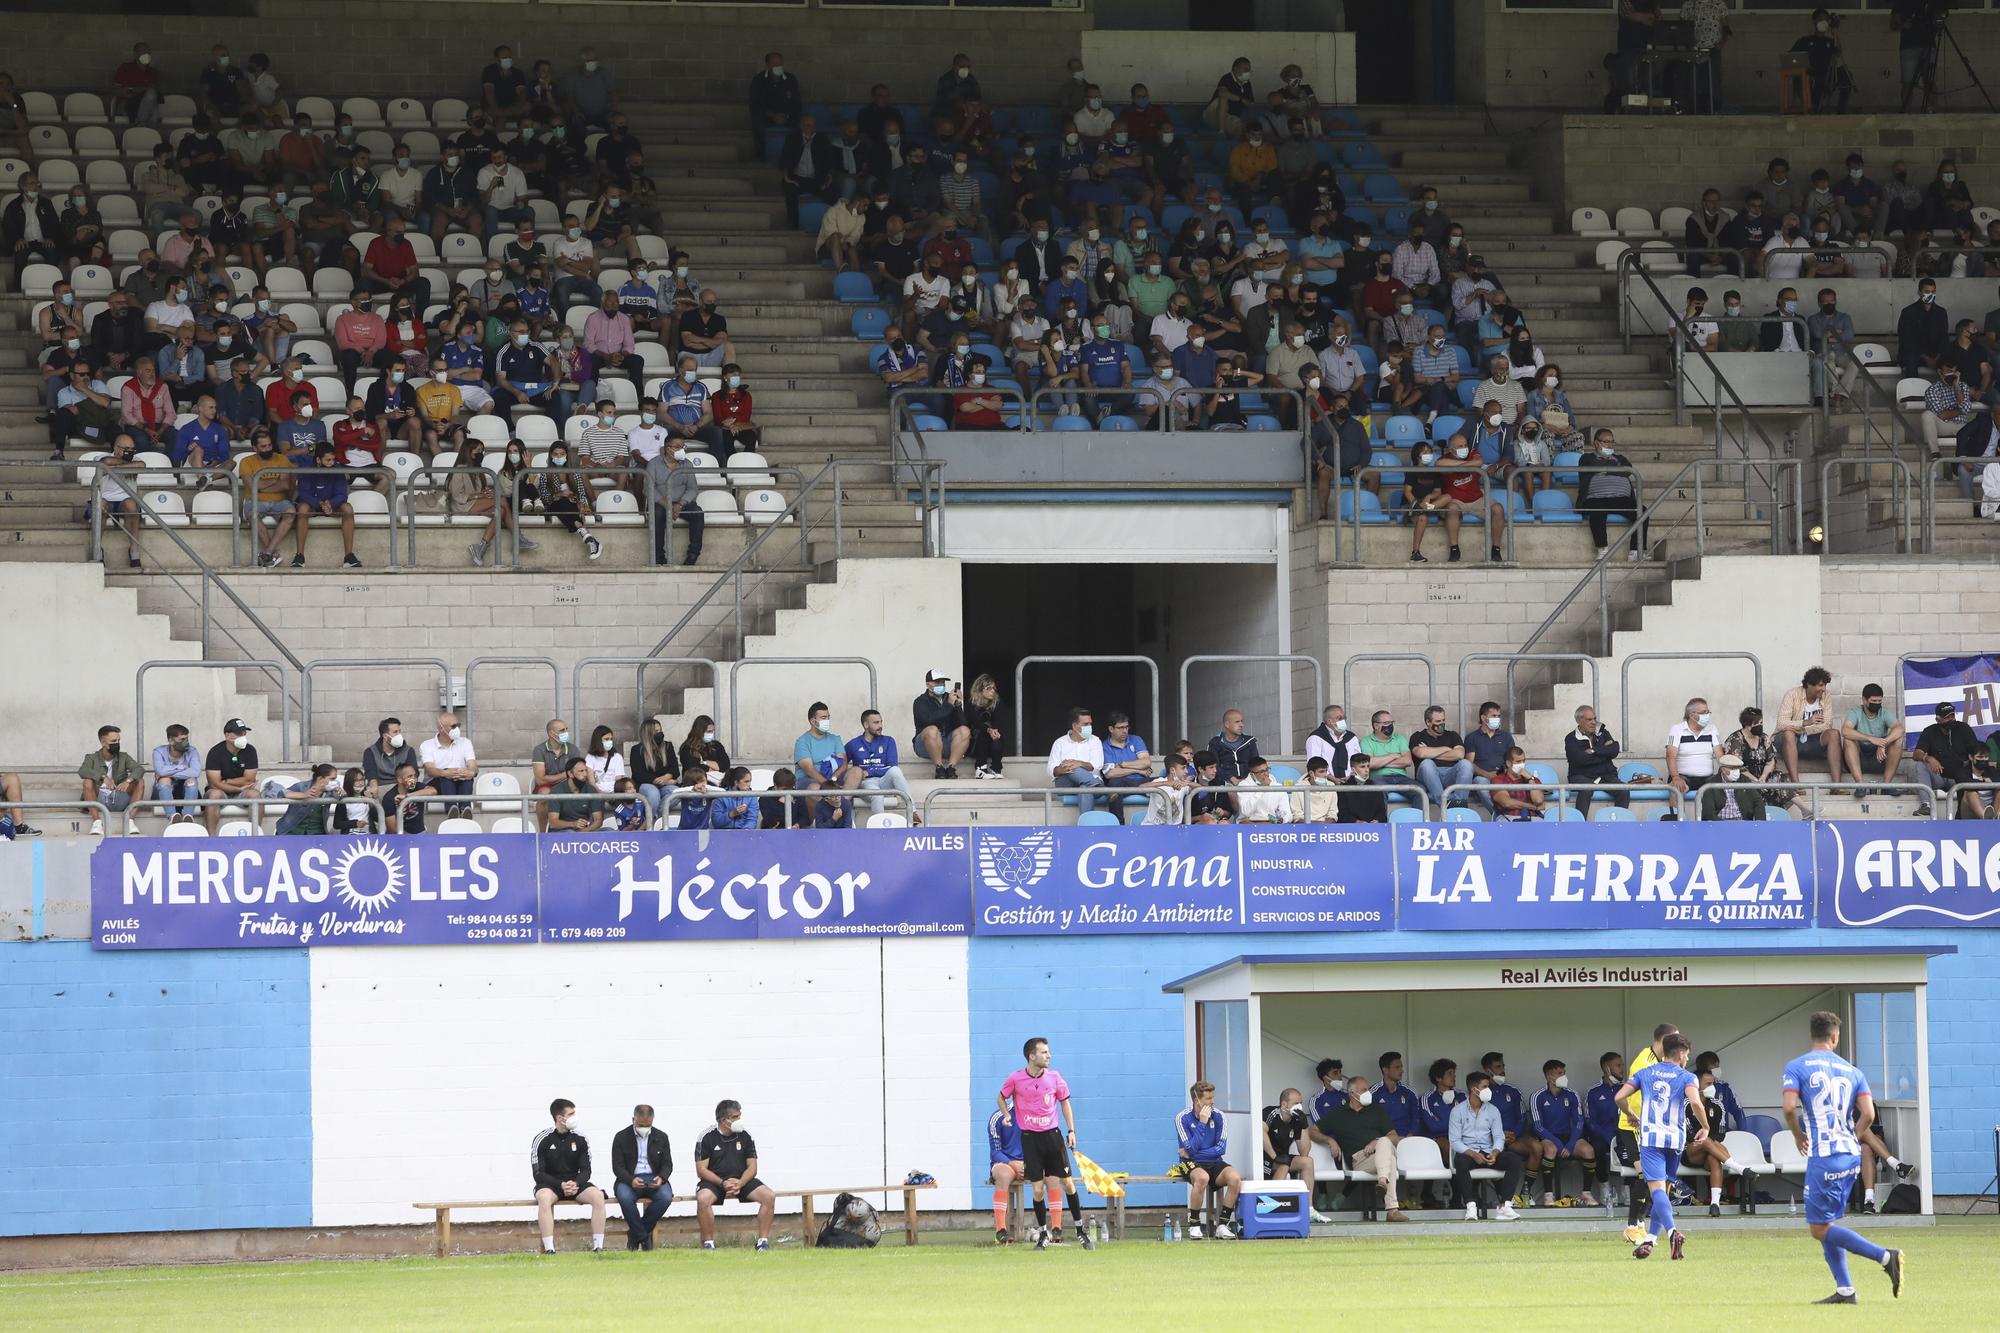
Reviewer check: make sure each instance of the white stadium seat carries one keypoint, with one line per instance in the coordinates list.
(1636, 222)
(1591, 223)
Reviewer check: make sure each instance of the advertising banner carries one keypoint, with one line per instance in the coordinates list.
(1890, 872)
(1603, 876)
(1969, 684)
(741, 886)
(285, 893)
(1205, 879)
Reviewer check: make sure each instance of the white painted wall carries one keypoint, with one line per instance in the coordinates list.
(905, 616)
(1767, 605)
(87, 640)
(433, 1068)
(1125, 533)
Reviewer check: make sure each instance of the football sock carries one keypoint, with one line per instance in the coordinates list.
(1041, 1212)
(1869, 1194)
(549, 1244)
(597, 1241)
(1635, 1204)
(1856, 1243)
(1894, 1165)
(1663, 1213)
(1055, 1213)
(1715, 1194)
(999, 1207)
(1836, 1259)
(1194, 1217)
(1071, 1202)
(1548, 1177)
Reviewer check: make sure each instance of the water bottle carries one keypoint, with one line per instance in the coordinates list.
(1167, 1228)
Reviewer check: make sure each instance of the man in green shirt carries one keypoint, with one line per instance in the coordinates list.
(1358, 1131)
(1871, 737)
(583, 812)
(110, 776)
(1388, 753)
(1150, 286)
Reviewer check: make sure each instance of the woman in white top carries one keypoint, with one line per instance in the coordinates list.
(606, 764)
(1693, 746)
(1010, 291)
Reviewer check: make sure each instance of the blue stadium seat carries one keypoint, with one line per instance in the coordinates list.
(1463, 357)
(868, 322)
(1174, 215)
(1036, 121)
(1764, 1127)
(1552, 506)
(1611, 814)
(1371, 506)
(853, 288)
(982, 252)
(1567, 459)
(923, 421)
(774, 141)
(1378, 187)
(1263, 422)
(1447, 425)
(1371, 364)
(1118, 423)
(1775, 813)
(991, 353)
(1634, 771)
(1364, 154)
(1285, 773)
(1467, 389)
(1274, 214)
(1546, 774)
(1403, 431)
(1070, 423)
(1388, 462)
(1406, 814)
(811, 212)
(1569, 814)
(1396, 221)
(1519, 509)
(1361, 216)
(1432, 315)
(1463, 814)
(1095, 817)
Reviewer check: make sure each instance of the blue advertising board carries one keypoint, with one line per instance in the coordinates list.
(1603, 876)
(1206, 879)
(284, 893)
(1889, 872)
(1969, 684)
(740, 886)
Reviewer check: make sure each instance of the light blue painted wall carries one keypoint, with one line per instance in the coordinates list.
(187, 1076)
(1118, 1039)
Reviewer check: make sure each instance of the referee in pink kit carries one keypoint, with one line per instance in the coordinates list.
(1035, 1091)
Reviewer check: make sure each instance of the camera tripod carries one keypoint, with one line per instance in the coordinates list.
(1930, 75)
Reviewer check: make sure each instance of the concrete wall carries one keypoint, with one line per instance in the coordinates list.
(372, 48)
(87, 640)
(1872, 611)
(1206, 609)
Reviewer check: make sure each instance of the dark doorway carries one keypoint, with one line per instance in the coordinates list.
(1017, 611)
(1385, 52)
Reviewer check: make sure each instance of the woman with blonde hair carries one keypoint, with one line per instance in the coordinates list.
(982, 717)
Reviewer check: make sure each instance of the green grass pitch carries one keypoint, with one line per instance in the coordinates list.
(1730, 1280)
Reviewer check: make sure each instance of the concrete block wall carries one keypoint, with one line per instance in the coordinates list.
(1873, 611)
(372, 48)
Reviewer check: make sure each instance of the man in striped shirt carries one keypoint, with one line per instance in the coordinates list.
(1436, 369)
(604, 442)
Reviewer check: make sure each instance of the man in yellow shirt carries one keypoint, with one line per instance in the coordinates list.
(1636, 1200)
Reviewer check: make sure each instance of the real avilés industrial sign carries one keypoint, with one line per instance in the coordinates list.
(183, 893)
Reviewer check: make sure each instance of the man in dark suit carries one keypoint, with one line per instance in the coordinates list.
(1040, 257)
(774, 101)
(30, 229)
(806, 163)
(643, 1162)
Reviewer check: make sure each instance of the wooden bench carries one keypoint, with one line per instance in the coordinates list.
(444, 1211)
(1114, 1206)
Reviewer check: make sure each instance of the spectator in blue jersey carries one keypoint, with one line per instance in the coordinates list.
(1478, 1141)
(689, 414)
(1333, 1088)
(736, 806)
(696, 797)
(639, 301)
(1204, 1147)
(1106, 365)
(322, 493)
(1003, 1150)
(1708, 1062)
(871, 766)
(1600, 1116)
(1434, 1115)
(203, 442)
(1127, 763)
(1397, 1099)
(1557, 1117)
(821, 765)
(1506, 1099)
(629, 815)
(1235, 750)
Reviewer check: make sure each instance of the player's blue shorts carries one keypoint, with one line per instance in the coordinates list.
(1829, 1180)
(1659, 1163)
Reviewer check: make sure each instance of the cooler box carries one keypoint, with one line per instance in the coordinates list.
(1274, 1210)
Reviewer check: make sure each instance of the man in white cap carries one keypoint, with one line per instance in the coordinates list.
(1729, 798)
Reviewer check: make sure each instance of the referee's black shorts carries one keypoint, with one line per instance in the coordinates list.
(1044, 1153)
(1627, 1147)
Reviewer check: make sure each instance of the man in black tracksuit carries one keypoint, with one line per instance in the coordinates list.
(560, 1161)
(642, 1161)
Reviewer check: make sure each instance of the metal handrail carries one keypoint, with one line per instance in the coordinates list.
(1924, 794)
(472, 668)
(102, 815)
(1319, 679)
(1663, 791)
(1932, 470)
(163, 664)
(1899, 494)
(874, 698)
(1860, 374)
(1957, 791)
(1625, 678)
(1482, 518)
(1930, 245)
(1020, 700)
(258, 803)
(643, 665)
(1513, 660)
(1347, 674)
(1051, 796)
(343, 663)
(1679, 349)
(880, 795)
(1632, 260)
(519, 800)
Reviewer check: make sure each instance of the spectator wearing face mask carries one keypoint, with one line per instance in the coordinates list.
(1949, 408)
(1693, 746)
(176, 774)
(1435, 369)
(1605, 490)
(1922, 331)
(1253, 170)
(380, 761)
(1339, 441)
(974, 406)
(229, 771)
(671, 489)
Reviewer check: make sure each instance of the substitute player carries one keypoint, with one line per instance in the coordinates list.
(1037, 1091)
(1003, 1149)
(1821, 1090)
(1204, 1147)
(1287, 1145)
(1657, 1098)
(1626, 1145)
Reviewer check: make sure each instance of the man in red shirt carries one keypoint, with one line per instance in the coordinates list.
(135, 88)
(733, 409)
(357, 438)
(391, 266)
(976, 407)
(278, 393)
(952, 250)
(1464, 491)
(1142, 118)
(1379, 294)
(360, 337)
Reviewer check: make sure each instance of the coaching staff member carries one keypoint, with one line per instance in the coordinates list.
(561, 1163)
(726, 1161)
(642, 1161)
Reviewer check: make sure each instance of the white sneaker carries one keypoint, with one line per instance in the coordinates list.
(1320, 1217)
(1587, 1200)
(527, 545)
(1548, 1200)
(1194, 1231)
(1507, 1213)
(478, 553)
(96, 828)
(1472, 1212)
(1633, 556)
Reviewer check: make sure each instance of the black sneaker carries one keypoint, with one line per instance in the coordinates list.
(352, 561)
(951, 775)
(1906, 1170)
(1417, 558)
(1497, 557)
(592, 548)
(1042, 1238)
(937, 773)
(268, 560)
(1867, 1205)
(1838, 1298)
(1893, 1266)
(1715, 1210)
(26, 831)
(298, 562)
(1452, 559)
(1083, 1233)
(1003, 1237)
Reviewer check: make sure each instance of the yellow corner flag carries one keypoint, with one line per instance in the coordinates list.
(1107, 1184)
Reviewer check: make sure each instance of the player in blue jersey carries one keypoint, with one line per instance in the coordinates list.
(1003, 1149)
(1663, 1099)
(1821, 1092)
